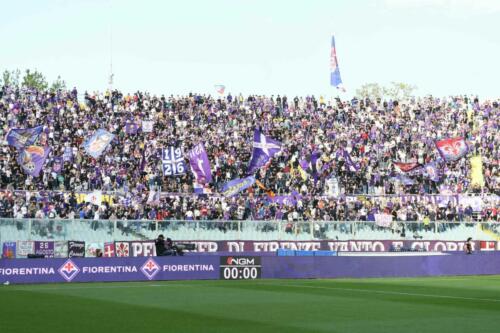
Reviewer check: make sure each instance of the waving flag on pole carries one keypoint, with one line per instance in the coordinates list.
(200, 166)
(97, 143)
(406, 167)
(237, 185)
(19, 137)
(452, 149)
(476, 171)
(32, 158)
(351, 166)
(431, 171)
(219, 88)
(264, 148)
(335, 79)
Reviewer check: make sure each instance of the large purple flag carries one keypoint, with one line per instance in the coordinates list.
(200, 166)
(237, 185)
(32, 158)
(348, 160)
(20, 138)
(264, 147)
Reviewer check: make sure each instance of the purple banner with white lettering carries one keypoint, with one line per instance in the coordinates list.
(45, 248)
(200, 166)
(18, 271)
(109, 269)
(340, 246)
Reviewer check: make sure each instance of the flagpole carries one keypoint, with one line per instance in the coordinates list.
(111, 75)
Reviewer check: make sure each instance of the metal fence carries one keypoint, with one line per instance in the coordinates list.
(116, 230)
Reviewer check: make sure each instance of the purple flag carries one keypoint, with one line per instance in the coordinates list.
(131, 127)
(350, 164)
(200, 166)
(310, 163)
(20, 138)
(45, 248)
(264, 147)
(288, 200)
(431, 171)
(403, 179)
(32, 158)
(237, 185)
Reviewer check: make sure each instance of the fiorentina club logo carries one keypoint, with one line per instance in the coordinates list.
(69, 270)
(452, 149)
(150, 268)
(122, 249)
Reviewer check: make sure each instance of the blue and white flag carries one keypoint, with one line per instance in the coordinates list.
(201, 189)
(403, 179)
(172, 161)
(335, 79)
(98, 142)
(200, 165)
(264, 147)
(237, 185)
(19, 137)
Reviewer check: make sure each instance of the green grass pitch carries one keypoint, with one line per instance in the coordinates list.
(405, 305)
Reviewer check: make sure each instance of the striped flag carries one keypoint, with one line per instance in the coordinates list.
(335, 79)
(219, 88)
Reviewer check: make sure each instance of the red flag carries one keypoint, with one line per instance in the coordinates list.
(109, 249)
(452, 149)
(487, 245)
(406, 167)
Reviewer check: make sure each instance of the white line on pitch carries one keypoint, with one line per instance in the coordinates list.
(386, 292)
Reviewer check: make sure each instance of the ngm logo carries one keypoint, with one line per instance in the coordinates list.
(240, 261)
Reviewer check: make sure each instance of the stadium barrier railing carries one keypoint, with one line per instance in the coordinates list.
(117, 230)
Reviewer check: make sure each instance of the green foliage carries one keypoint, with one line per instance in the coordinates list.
(395, 91)
(400, 90)
(34, 79)
(30, 79)
(58, 84)
(371, 90)
(11, 78)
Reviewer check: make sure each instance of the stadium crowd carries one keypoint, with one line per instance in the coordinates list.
(375, 133)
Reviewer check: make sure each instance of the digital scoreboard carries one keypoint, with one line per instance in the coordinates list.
(240, 267)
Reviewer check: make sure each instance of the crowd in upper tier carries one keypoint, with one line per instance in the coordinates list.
(375, 133)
